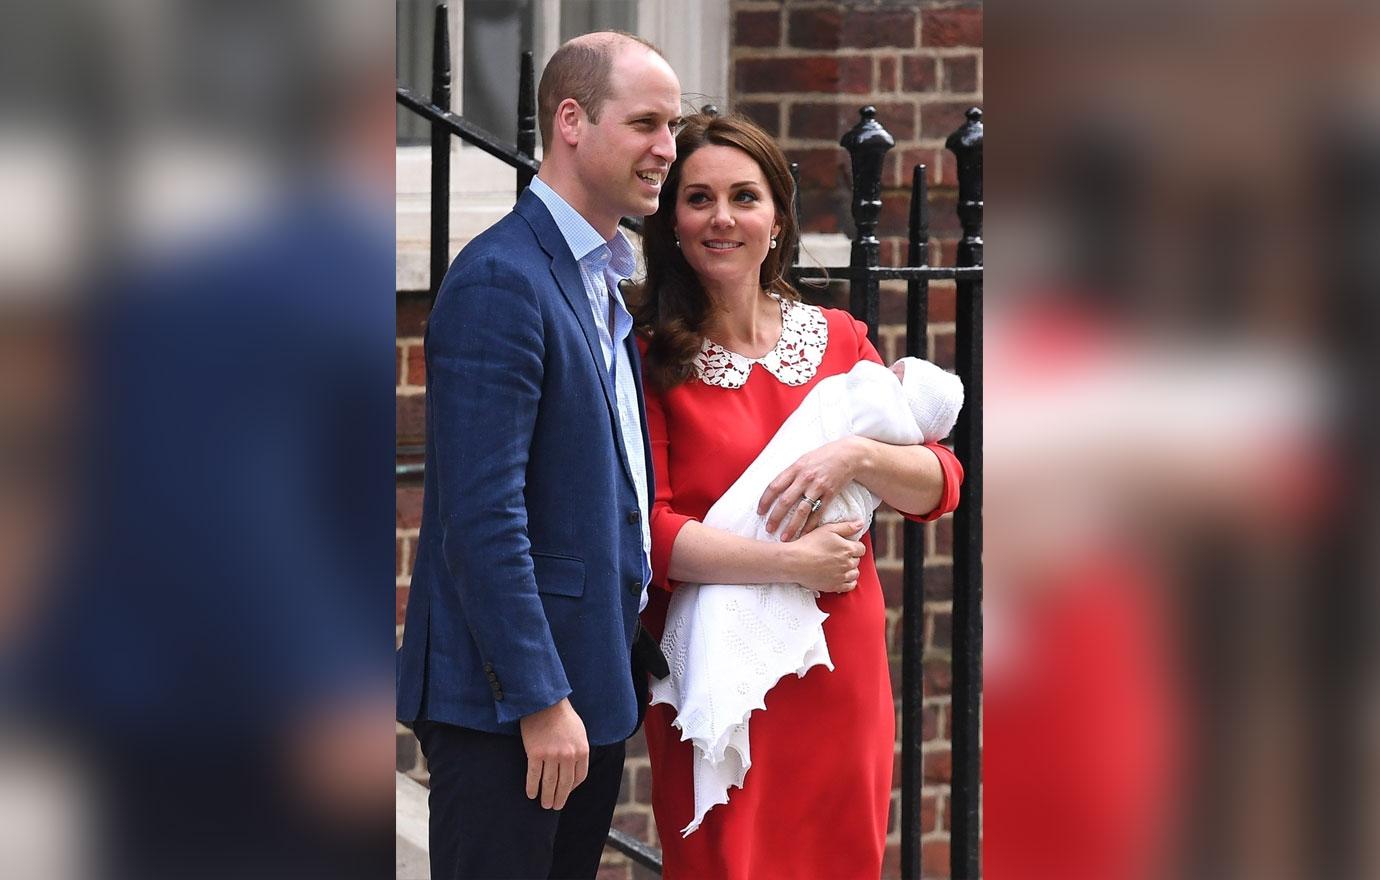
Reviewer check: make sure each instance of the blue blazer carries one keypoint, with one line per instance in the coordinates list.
(529, 562)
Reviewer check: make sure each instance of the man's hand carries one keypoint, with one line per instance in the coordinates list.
(557, 753)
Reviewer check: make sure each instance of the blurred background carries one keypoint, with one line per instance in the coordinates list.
(197, 366)
(1180, 568)
(196, 424)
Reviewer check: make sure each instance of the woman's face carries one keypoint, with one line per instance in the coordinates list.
(725, 216)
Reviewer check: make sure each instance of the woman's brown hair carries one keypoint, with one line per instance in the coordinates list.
(673, 307)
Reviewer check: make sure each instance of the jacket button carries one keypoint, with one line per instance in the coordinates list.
(634, 517)
(498, 695)
(635, 587)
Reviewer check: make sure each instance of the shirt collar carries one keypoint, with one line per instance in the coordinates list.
(585, 243)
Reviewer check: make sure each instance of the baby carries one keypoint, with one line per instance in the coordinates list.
(728, 645)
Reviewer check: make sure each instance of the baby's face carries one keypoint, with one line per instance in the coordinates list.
(899, 368)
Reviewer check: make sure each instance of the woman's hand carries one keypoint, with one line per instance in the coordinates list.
(827, 559)
(817, 475)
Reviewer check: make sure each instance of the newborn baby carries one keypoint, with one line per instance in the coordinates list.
(728, 645)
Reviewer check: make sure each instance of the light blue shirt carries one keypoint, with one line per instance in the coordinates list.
(602, 265)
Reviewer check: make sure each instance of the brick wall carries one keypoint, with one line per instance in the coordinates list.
(803, 70)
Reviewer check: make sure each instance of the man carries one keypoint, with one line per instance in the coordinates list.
(532, 562)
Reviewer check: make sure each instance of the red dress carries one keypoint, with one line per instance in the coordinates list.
(815, 801)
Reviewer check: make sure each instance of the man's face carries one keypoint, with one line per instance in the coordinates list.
(622, 159)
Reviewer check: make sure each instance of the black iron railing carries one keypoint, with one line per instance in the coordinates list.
(867, 144)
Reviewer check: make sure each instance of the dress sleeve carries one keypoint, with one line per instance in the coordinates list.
(666, 523)
(949, 465)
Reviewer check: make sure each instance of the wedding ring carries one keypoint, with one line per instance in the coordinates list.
(813, 502)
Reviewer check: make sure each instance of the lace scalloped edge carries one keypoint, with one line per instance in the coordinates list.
(719, 799)
(716, 752)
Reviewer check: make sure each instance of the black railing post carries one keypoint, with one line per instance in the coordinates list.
(440, 152)
(866, 143)
(913, 559)
(965, 831)
(527, 119)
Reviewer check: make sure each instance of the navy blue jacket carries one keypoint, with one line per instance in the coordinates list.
(529, 562)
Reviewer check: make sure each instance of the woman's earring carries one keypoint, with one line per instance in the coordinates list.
(677, 241)
(773, 242)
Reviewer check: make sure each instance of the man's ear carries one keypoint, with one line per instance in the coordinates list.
(569, 123)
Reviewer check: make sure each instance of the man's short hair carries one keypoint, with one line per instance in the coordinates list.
(581, 69)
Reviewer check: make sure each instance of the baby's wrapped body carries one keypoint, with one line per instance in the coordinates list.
(728, 645)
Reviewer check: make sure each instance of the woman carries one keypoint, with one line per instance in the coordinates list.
(729, 352)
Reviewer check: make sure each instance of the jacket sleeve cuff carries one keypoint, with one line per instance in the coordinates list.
(949, 495)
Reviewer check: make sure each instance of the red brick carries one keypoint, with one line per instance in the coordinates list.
(873, 29)
(399, 364)
(819, 122)
(891, 862)
(767, 114)
(410, 417)
(812, 73)
(636, 746)
(934, 858)
(943, 630)
(944, 528)
(947, 818)
(939, 580)
(824, 210)
(886, 543)
(757, 28)
(918, 73)
(939, 766)
(941, 302)
(400, 561)
(939, 678)
(408, 507)
(855, 75)
(811, 121)
(400, 605)
(635, 825)
(908, 158)
(952, 27)
(960, 74)
(815, 28)
(929, 723)
(929, 810)
(887, 74)
(942, 118)
(416, 365)
(943, 355)
(613, 872)
(642, 789)
(891, 586)
(412, 314)
(948, 251)
(822, 168)
(895, 217)
(944, 223)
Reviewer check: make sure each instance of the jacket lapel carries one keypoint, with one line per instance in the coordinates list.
(567, 274)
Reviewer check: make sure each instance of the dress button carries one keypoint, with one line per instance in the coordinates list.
(634, 517)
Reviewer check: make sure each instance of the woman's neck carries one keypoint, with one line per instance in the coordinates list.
(744, 319)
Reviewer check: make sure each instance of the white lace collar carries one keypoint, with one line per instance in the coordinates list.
(793, 361)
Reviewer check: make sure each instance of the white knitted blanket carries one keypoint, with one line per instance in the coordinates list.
(727, 645)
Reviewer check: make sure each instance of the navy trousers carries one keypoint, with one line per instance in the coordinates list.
(483, 826)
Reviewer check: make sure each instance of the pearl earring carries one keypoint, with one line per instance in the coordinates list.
(773, 242)
(677, 241)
